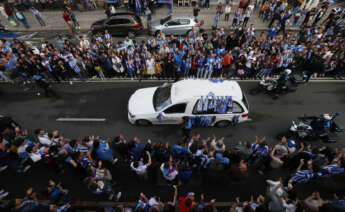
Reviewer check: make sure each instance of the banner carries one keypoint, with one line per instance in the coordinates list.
(217, 104)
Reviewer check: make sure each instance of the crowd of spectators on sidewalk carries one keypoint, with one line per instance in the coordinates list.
(95, 159)
(242, 53)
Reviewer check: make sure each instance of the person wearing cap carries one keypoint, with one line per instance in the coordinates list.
(291, 146)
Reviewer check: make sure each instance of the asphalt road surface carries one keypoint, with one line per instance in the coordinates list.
(109, 101)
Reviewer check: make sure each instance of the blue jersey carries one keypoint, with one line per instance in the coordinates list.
(179, 150)
(260, 151)
(303, 176)
(329, 170)
(201, 62)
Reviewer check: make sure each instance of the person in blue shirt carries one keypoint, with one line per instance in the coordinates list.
(209, 67)
(200, 66)
(179, 150)
(272, 32)
(302, 175)
(178, 59)
(57, 193)
(72, 62)
(218, 66)
(103, 151)
(187, 65)
(137, 149)
(148, 17)
(138, 7)
(185, 171)
(186, 127)
(260, 154)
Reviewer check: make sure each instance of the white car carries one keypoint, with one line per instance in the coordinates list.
(177, 24)
(207, 102)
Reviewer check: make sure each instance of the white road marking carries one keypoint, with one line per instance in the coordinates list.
(38, 38)
(82, 119)
(28, 36)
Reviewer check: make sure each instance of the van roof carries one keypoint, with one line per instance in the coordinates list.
(195, 88)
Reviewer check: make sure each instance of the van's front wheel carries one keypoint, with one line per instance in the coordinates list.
(222, 124)
(143, 122)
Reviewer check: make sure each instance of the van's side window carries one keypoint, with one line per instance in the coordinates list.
(209, 111)
(236, 108)
(178, 108)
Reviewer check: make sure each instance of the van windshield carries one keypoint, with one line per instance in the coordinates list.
(161, 97)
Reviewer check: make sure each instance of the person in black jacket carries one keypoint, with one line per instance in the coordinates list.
(196, 11)
(169, 64)
(43, 84)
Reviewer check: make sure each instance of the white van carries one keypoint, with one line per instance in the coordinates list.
(208, 102)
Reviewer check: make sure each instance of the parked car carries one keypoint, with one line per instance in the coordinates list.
(174, 24)
(119, 24)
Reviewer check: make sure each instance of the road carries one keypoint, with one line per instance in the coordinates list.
(109, 100)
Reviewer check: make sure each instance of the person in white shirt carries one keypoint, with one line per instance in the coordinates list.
(227, 12)
(43, 138)
(218, 145)
(140, 168)
(247, 15)
(169, 171)
(84, 44)
(112, 9)
(289, 205)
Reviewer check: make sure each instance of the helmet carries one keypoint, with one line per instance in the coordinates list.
(287, 71)
(291, 143)
(327, 117)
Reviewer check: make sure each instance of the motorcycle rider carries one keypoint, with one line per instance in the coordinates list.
(283, 79)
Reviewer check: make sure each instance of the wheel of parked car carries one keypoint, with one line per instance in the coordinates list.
(143, 122)
(222, 124)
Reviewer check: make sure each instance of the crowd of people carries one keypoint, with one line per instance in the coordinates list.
(209, 158)
(241, 53)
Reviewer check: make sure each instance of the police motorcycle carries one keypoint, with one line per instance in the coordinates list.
(286, 83)
(311, 128)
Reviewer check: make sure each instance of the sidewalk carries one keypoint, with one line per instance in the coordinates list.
(55, 22)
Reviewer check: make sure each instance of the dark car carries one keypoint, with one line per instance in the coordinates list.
(119, 24)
